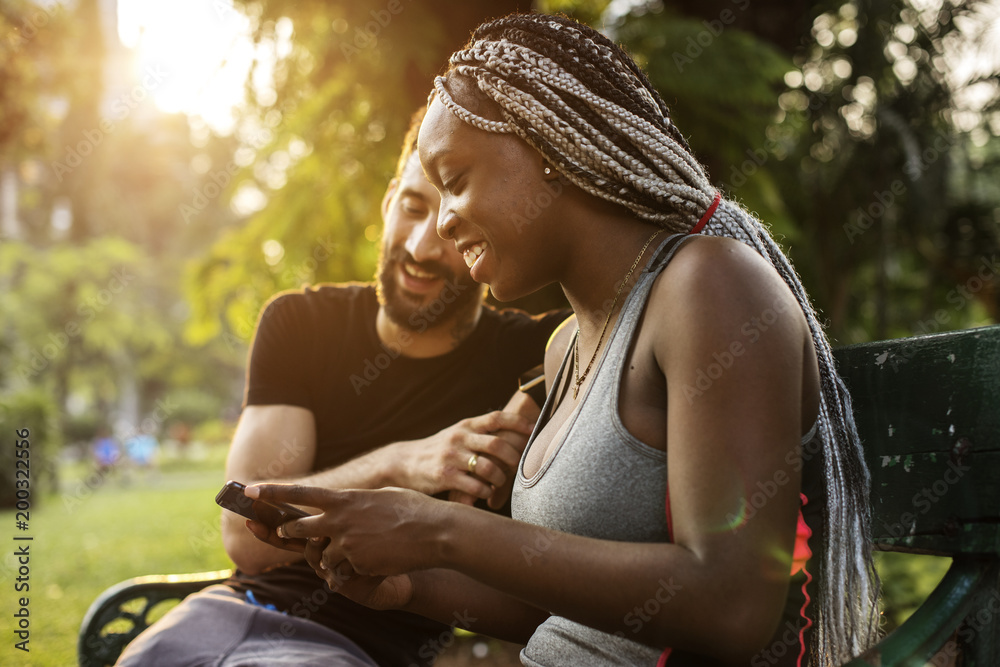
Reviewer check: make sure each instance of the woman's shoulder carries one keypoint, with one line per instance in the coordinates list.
(558, 343)
(724, 283)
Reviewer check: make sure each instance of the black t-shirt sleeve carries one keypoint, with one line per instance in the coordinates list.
(524, 339)
(279, 354)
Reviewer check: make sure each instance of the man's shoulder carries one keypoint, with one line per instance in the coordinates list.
(321, 300)
(515, 328)
(516, 318)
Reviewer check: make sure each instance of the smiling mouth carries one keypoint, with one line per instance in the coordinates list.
(473, 253)
(415, 271)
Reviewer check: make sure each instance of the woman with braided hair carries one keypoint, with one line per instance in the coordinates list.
(695, 492)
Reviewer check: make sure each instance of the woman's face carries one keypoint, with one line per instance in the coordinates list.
(496, 203)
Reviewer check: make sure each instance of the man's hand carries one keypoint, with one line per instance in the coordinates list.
(441, 462)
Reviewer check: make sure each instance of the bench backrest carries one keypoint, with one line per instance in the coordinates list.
(928, 412)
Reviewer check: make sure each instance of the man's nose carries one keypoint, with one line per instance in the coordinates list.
(423, 242)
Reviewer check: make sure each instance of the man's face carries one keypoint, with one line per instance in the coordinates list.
(422, 280)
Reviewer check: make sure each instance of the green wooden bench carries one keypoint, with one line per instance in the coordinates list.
(928, 410)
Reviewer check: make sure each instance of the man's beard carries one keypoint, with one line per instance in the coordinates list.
(460, 294)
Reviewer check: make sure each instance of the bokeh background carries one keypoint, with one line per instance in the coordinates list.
(167, 166)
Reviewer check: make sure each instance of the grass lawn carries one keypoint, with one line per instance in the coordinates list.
(94, 533)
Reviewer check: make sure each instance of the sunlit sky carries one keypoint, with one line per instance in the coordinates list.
(202, 47)
(204, 51)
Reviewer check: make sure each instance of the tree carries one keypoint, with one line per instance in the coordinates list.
(849, 144)
(824, 122)
(325, 138)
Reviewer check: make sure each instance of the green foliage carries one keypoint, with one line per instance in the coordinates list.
(721, 85)
(72, 307)
(331, 129)
(907, 580)
(190, 405)
(30, 37)
(871, 176)
(26, 415)
(586, 11)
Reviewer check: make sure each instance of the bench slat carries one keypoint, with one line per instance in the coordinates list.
(928, 419)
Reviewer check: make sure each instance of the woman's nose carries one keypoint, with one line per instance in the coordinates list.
(446, 224)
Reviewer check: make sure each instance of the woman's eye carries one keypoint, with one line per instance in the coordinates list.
(453, 185)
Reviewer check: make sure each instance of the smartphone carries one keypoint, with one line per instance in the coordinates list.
(272, 515)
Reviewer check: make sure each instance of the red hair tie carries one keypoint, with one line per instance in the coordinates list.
(708, 214)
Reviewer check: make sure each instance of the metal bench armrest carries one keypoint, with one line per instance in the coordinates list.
(916, 641)
(97, 647)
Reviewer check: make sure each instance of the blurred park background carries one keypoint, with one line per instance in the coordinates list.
(165, 167)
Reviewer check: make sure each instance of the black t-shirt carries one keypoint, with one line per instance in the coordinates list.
(318, 349)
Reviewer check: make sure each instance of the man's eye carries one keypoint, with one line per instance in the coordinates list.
(412, 208)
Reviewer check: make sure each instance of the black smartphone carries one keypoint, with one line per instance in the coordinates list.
(272, 515)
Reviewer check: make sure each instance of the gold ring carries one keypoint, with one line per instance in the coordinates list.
(473, 460)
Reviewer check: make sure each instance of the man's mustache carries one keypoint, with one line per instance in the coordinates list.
(401, 256)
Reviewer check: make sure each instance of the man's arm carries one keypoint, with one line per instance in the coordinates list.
(274, 443)
(278, 443)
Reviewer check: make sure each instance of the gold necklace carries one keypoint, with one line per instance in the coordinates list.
(579, 379)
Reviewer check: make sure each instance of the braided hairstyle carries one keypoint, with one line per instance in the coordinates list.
(582, 102)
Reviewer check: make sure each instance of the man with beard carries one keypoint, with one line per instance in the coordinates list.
(362, 386)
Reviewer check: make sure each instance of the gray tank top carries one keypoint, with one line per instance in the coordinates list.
(599, 481)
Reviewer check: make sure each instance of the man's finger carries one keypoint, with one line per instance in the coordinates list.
(499, 450)
(500, 421)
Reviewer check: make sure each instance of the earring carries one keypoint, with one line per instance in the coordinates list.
(547, 171)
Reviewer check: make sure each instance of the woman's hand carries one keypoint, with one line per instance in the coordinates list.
(377, 533)
(376, 592)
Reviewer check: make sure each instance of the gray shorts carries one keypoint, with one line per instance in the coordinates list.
(219, 628)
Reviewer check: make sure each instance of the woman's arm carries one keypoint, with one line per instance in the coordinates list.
(456, 599)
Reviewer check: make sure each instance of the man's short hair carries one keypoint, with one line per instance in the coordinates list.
(410, 141)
